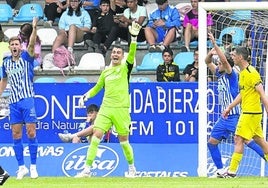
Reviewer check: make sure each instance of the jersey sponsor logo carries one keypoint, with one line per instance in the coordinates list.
(105, 163)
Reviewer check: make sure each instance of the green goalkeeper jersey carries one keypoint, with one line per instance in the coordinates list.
(115, 81)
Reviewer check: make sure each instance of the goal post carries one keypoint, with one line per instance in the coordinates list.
(203, 8)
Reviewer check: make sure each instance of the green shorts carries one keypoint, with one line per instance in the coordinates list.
(119, 117)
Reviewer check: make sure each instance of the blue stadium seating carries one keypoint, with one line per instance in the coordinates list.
(182, 59)
(28, 11)
(76, 80)
(45, 80)
(140, 79)
(238, 35)
(150, 61)
(241, 15)
(6, 13)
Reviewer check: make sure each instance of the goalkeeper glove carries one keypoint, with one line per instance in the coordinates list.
(82, 100)
(134, 29)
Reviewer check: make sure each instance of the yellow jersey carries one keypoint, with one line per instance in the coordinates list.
(248, 79)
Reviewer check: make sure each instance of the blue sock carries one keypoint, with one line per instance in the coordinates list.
(18, 149)
(253, 145)
(215, 155)
(33, 146)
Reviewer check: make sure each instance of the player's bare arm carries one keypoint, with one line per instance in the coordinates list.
(3, 85)
(33, 37)
(212, 67)
(264, 99)
(236, 101)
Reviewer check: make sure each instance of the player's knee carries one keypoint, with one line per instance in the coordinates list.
(211, 146)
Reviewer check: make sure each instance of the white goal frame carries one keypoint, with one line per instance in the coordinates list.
(203, 7)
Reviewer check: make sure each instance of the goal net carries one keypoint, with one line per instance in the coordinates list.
(241, 24)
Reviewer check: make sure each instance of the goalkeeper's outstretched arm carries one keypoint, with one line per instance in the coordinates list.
(134, 30)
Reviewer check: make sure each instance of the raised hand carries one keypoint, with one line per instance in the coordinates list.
(82, 100)
(134, 29)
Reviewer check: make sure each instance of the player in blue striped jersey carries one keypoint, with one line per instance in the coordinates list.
(18, 72)
(228, 89)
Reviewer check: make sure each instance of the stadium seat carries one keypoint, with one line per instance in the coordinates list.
(91, 61)
(6, 13)
(11, 32)
(238, 35)
(76, 80)
(28, 11)
(45, 80)
(150, 61)
(140, 79)
(182, 59)
(47, 36)
(240, 15)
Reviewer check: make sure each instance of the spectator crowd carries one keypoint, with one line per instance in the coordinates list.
(100, 23)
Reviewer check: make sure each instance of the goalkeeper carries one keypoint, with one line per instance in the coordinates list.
(228, 89)
(114, 109)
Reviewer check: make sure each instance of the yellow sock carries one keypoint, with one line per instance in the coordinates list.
(236, 158)
(266, 157)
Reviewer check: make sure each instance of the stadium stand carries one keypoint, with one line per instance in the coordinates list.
(238, 35)
(45, 80)
(6, 13)
(11, 32)
(47, 36)
(150, 61)
(182, 59)
(91, 61)
(80, 49)
(28, 11)
(140, 79)
(241, 15)
(76, 79)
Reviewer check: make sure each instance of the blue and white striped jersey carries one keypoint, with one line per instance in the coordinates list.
(228, 89)
(20, 76)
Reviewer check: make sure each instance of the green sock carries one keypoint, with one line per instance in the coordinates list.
(92, 150)
(128, 152)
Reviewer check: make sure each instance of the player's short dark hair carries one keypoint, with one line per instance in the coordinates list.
(118, 46)
(92, 108)
(13, 39)
(244, 51)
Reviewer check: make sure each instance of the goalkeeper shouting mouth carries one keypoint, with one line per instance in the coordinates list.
(114, 109)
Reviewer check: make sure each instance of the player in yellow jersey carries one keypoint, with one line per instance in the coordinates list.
(250, 97)
(114, 109)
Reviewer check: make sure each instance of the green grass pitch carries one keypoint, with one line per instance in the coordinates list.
(144, 182)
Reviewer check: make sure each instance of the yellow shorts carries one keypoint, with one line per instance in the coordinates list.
(249, 125)
(119, 117)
